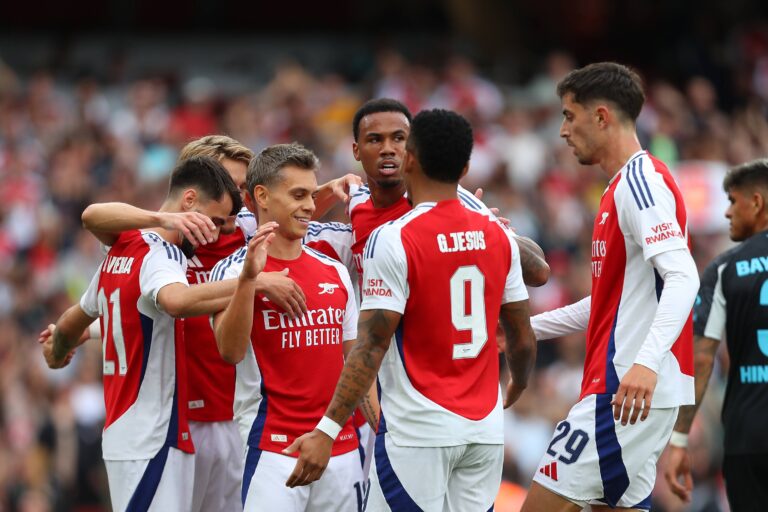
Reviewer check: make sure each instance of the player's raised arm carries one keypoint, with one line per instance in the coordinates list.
(329, 194)
(232, 326)
(107, 220)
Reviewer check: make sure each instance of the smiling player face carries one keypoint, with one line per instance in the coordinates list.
(290, 202)
(380, 147)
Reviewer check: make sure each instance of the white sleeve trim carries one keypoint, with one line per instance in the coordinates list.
(716, 321)
(681, 283)
(559, 322)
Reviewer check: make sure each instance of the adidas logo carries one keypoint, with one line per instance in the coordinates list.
(550, 470)
(194, 262)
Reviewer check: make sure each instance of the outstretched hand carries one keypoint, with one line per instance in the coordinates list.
(314, 453)
(634, 394)
(504, 221)
(678, 472)
(46, 340)
(340, 186)
(199, 229)
(256, 256)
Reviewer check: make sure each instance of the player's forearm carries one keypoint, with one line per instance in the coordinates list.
(561, 321)
(520, 351)
(324, 200)
(198, 299)
(69, 330)
(107, 220)
(535, 267)
(704, 350)
(681, 283)
(374, 336)
(233, 326)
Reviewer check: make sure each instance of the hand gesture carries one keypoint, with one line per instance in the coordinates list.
(314, 453)
(284, 292)
(256, 256)
(513, 393)
(634, 394)
(199, 229)
(340, 186)
(503, 220)
(46, 340)
(679, 467)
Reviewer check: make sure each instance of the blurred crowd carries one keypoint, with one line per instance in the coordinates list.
(68, 141)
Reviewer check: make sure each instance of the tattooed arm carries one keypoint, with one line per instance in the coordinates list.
(535, 267)
(60, 341)
(520, 351)
(375, 330)
(369, 405)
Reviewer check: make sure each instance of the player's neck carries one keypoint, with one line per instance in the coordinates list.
(385, 197)
(284, 248)
(619, 151)
(430, 191)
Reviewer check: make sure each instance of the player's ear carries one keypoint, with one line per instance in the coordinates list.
(356, 151)
(189, 199)
(464, 171)
(758, 202)
(261, 196)
(602, 115)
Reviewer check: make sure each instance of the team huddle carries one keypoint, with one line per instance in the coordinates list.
(256, 359)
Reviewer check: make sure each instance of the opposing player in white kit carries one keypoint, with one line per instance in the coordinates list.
(639, 358)
(140, 288)
(287, 368)
(435, 284)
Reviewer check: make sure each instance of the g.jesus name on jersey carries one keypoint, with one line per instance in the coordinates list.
(365, 217)
(145, 386)
(291, 367)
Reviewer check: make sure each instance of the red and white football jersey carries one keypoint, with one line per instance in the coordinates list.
(145, 387)
(211, 380)
(448, 270)
(290, 370)
(641, 214)
(365, 218)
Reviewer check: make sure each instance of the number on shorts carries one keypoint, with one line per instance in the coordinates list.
(469, 277)
(117, 332)
(573, 446)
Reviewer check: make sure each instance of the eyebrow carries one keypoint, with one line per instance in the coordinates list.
(394, 132)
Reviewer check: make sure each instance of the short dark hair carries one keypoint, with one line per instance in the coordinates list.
(374, 107)
(749, 175)
(442, 143)
(208, 176)
(265, 167)
(605, 81)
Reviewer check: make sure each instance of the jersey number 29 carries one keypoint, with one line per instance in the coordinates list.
(117, 332)
(469, 282)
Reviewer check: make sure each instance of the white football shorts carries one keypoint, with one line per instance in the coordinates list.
(341, 488)
(454, 478)
(160, 484)
(218, 466)
(594, 459)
